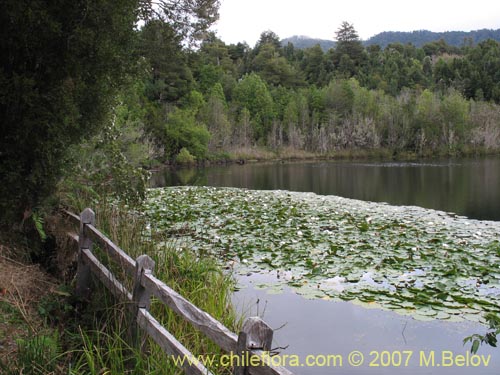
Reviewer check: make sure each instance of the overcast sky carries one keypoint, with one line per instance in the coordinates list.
(245, 20)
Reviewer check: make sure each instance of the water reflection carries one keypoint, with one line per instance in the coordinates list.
(468, 187)
(327, 327)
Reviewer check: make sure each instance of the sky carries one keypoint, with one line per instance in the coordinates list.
(245, 20)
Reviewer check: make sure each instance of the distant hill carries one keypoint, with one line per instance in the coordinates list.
(303, 42)
(421, 37)
(417, 38)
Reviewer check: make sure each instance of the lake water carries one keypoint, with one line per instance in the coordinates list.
(312, 327)
(466, 187)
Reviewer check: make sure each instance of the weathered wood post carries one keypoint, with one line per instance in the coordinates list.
(84, 242)
(255, 334)
(141, 297)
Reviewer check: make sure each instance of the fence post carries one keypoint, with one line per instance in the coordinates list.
(84, 242)
(255, 334)
(141, 297)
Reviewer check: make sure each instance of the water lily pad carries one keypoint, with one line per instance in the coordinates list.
(330, 247)
(422, 318)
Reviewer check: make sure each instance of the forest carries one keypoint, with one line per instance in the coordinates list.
(215, 100)
(420, 37)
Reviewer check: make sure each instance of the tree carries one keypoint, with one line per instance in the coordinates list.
(61, 66)
(427, 121)
(339, 97)
(215, 116)
(252, 93)
(268, 37)
(483, 71)
(161, 45)
(190, 18)
(274, 68)
(349, 52)
(215, 52)
(313, 65)
(182, 130)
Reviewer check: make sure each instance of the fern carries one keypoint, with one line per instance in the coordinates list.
(38, 221)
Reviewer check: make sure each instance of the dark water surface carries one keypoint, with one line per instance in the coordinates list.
(469, 187)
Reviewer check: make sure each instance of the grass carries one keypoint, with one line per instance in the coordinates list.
(259, 153)
(104, 322)
(27, 344)
(45, 330)
(251, 153)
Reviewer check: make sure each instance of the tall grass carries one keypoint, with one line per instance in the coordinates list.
(105, 322)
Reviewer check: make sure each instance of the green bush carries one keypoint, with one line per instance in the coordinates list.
(182, 130)
(185, 157)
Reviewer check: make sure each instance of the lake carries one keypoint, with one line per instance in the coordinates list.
(468, 187)
(314, 326)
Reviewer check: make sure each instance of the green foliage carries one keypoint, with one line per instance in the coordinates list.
(427, 120)
(55, 308)
(193, 102)
(38, 355)
(339, 97)
(215, 114)
(182, 130)
(38, 221)
(423, 38)
(171, 78)
(252, 93)
(482, 70)
(215, 54)
(274, 68)
(60, 66)
(190, 19)
(400, 97)
(105, 166)
(455, 110)
(184, 157)
(104, 324)
(9, 314)
(314, 66)
(349, 52)
(489, 338)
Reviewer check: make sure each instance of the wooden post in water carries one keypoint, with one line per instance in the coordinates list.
(87, 217)
(141, 297)
(255, 334)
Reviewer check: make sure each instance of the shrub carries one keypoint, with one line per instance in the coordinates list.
(185, 157)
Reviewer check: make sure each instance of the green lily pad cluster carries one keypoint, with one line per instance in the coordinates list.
(427, 263)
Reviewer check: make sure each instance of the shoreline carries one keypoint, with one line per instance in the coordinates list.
(261, 155)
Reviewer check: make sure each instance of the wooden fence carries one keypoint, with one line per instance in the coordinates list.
(254, 339)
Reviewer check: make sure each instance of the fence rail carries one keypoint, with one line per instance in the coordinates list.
(254, 338)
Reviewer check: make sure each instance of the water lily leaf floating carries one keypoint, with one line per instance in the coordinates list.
(414, 261)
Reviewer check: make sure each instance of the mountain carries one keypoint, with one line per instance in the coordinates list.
(303, 42)
(417, 38)
(421, 37)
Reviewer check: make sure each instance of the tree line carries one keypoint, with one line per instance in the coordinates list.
(420, 37)
(437, 99)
